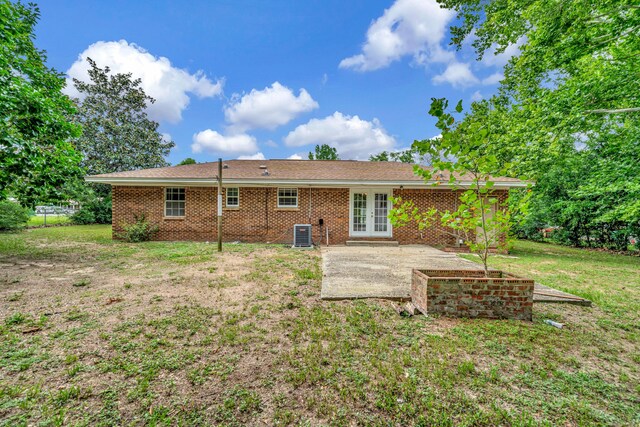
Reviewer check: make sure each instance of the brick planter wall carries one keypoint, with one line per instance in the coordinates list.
(467, 293)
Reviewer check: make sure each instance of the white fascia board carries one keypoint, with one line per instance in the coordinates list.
(148, 182)
(211, 182)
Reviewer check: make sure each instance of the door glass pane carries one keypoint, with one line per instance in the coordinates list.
(380, 214)
(359, 212)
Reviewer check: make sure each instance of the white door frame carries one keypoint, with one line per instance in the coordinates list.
(370, 212)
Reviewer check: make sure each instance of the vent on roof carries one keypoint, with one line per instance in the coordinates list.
(265, 173)
(263, 166)
(225, 166)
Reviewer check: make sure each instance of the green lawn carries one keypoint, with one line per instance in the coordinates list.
(37, 221)
(95, 332)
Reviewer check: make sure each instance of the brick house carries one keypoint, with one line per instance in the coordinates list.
(263, 199)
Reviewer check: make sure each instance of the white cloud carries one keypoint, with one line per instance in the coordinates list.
(408, 27)
(490, 58)
(493, 79)
(457, 74)
(268, 108)
(477, 96)
(170, 86)
(353, 137)
(295, 156)
(211, 141)
(256, 156)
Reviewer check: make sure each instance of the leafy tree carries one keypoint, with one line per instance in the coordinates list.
(36, 156)
(382, 156)
(324, 152)
(481, 220)
(568, 109)
(13, 217)
(404, 156)
(187, 161)
(94, 211)
(117, 133)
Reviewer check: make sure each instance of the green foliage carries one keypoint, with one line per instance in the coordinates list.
(567, 114)
(117, 134)
(95, 211)
(405, 156)
(140, 230)
(13, 217)
(187, 161)
(36, 155)
(324, 152)
(83, 216)
(480, 220)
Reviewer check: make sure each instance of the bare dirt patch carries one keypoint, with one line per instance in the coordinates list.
(175, 333)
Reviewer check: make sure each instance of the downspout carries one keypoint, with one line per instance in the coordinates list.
(266, 211)
(309, 205)
(309, 219)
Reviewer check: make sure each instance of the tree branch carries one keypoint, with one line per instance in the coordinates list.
(614, 111)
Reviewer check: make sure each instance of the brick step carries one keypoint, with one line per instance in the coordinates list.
(372, 243)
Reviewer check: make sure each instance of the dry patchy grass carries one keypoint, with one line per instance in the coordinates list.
(95, 332)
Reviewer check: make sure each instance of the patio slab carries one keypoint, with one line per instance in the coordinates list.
(354, 272)
(351, 272)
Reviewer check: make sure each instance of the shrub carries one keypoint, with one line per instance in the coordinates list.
(13, 217)
(140, 230)
(96, 211)
(530, 230)
(619, 240)
(83, 216)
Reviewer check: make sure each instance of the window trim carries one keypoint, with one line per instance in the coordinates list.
(226, 198)
(183, 201)
(288, 206)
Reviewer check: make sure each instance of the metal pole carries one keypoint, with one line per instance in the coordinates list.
(219, 205)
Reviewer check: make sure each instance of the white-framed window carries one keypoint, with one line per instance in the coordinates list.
(174, 200)
(233, 197)
(287, 197)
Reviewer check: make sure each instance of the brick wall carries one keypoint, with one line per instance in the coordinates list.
(425, 200)
(258, 218)
(467, 293)
(199, 222)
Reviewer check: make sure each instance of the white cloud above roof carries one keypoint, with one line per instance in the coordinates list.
(268, 108)
(408, 28)
(210, 141)
(353, 137)
(493, 79)
(491, 58)
(418, 29)
(457, 74)
(256, 156)
(170, 86)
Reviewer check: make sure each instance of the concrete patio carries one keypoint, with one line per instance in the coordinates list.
(352, 272)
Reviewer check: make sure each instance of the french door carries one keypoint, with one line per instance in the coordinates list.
(368, 213)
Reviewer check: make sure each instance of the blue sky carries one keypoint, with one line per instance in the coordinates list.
(273, 78)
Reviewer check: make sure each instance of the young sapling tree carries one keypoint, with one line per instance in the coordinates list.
(481, 220)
